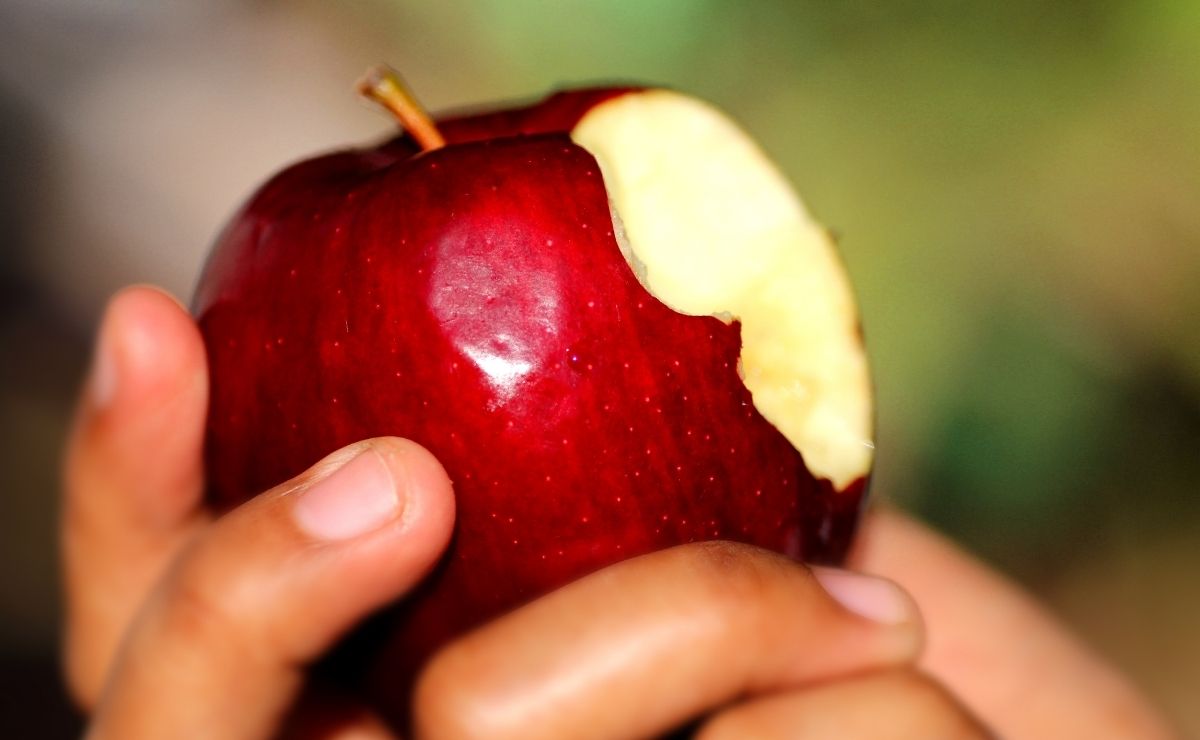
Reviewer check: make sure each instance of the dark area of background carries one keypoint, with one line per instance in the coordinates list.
(1016, 186)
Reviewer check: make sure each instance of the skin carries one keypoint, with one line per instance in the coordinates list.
(185, 625)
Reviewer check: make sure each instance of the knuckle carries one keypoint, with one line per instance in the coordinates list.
(733, 576)
(196, 606)
(204, 605)
(920, 690)
(83, 682)
(723, 726)
(446, 699)
(927, 698)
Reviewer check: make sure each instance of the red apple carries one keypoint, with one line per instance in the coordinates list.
(607, 314)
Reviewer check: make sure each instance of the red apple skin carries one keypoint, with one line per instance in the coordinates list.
(474, 299)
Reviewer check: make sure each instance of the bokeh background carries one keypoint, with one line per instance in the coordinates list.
(1016, 187)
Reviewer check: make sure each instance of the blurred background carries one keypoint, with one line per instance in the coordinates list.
(1016, 187)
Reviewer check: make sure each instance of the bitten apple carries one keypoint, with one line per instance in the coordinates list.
(607, 314)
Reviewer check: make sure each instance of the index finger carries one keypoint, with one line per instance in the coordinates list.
(132, 473)
(645, 645)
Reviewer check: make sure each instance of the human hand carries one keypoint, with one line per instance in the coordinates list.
(999, 651)
(754, 645)
(634, 649)
(180, 624)
(757, 646)
(741, 641)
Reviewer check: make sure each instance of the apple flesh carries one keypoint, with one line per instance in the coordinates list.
(606, 314)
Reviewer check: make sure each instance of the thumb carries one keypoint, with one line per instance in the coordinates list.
(221, 646)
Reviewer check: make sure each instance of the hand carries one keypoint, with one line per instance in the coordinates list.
(216, 632)
(182, 625)
(757, 645)
(761, 647)
(999, 651)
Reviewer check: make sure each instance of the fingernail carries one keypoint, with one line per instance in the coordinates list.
(357, 498)
(103, 372)
(872, 598)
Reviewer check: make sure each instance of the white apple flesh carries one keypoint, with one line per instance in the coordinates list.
(711, 227)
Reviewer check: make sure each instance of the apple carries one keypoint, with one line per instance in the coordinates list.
(607, 314)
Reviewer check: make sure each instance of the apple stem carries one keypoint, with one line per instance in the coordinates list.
(382, 85)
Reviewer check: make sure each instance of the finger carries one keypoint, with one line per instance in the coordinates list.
(132, 473)
(640, 647)
(221, 648)
(889, 705)
(987, 640)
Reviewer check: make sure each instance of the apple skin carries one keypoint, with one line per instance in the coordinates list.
(474, 299)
